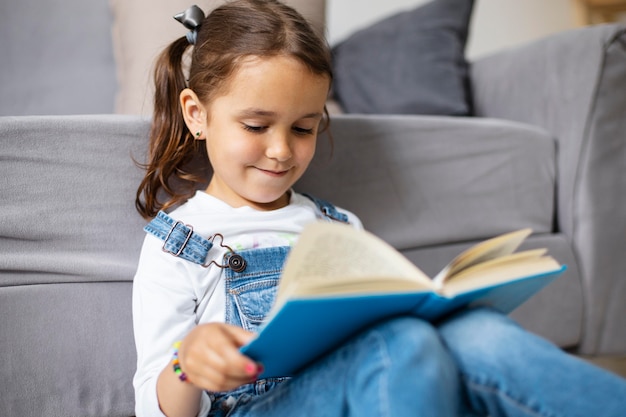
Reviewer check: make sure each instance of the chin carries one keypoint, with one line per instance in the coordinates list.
(271, 202)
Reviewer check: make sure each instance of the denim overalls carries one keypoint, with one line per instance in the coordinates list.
(250, 278)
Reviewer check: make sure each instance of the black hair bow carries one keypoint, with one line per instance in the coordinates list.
(192, 19)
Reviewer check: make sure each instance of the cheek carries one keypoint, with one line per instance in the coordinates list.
(245, 151)
(306, 150)
(232, 149)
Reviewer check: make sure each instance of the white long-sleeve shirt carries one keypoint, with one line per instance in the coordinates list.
(172, 295)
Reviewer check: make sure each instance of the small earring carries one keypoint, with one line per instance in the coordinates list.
(198, 133)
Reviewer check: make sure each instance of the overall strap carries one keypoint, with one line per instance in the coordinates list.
(179, 239)
(327, 209)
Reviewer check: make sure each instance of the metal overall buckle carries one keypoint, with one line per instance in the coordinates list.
(235, 261)
(182, 247)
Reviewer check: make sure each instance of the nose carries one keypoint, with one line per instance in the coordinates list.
(278, 147)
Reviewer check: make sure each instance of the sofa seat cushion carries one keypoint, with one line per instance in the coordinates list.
(68, 350)
(556, 312)
(428, 180)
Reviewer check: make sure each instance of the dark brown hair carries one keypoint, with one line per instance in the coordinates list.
(236, 30)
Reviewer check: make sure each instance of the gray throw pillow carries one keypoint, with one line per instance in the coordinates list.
(409, 63)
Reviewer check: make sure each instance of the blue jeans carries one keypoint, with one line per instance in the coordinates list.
(476, 363)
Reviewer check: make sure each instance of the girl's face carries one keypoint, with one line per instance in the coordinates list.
(261, 133)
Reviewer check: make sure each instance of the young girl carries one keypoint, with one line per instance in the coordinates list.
(253, 103)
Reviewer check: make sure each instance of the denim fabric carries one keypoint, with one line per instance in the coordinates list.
(327, 209)
(477, 363)
(396, 368)
(179, 239)
(506, 371)
(250, 294)
(225, 403)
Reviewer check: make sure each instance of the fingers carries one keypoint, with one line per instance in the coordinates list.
(210, 357)
(240, 335)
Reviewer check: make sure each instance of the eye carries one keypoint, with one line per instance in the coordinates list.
(302, 131)
(254, 129)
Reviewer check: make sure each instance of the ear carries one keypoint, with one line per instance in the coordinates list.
(194, 113)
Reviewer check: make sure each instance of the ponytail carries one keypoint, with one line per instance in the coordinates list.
(169, 177)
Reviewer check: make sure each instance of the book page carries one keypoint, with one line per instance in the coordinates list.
(504, 259)
(500, 270)
(489, 249)
(331, 255)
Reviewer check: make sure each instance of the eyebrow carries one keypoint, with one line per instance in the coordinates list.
(254, 112)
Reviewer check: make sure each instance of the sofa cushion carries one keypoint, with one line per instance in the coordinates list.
(68, 187)
(68, 350)
(555, 312)
(428, 180)
(410, 63)
(142, 28)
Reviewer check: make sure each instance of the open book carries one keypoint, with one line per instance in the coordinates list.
(338, 280)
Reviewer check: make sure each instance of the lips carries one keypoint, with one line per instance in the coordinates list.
(274, 173)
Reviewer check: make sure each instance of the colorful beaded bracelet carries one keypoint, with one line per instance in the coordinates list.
(176, 363)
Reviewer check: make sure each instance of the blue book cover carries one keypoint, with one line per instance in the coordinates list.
(324, 299)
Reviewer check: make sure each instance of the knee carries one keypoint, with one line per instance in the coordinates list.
(482, 334)
(409, 347)
(401, 361)
(483, 321)
(410, 338)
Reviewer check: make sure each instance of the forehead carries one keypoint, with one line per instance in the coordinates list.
(280, 79)
(256, 68)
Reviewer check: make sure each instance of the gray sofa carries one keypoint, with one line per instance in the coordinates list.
(546, 149)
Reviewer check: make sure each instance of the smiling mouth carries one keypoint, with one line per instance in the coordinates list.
(274, 173)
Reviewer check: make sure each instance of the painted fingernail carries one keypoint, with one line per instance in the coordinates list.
(251, 369)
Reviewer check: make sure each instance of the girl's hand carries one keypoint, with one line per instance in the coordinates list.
(210, 357)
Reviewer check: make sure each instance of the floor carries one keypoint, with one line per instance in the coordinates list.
(613, 364)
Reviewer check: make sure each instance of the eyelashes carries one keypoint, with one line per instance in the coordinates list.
(254, 129)
(303, 131)
(262, 129)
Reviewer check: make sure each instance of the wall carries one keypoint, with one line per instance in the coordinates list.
(496, 24)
